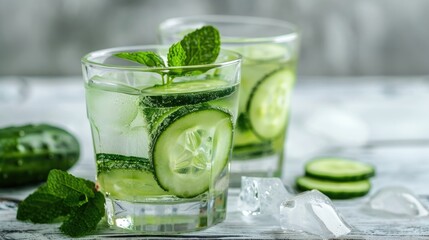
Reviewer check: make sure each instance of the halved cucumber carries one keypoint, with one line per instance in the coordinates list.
(186, 93)
(335, 190)
(339, 169)
(267, 107)
(190, 148)
(127, 178)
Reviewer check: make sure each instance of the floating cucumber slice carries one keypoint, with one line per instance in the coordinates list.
(130, 184)
(186, 93)
(127, 178)
(190, 148)
(154, 116)
(109, 162)
(338, 169)
(336, 190)
(267, 107)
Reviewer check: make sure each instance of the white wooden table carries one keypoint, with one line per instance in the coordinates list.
(381, 120)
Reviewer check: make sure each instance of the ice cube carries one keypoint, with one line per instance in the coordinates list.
(261, 196)
(111, 104)
(312, 212)
(397, 201)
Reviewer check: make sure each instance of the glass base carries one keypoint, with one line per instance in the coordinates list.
(167, 215)
(263, 166)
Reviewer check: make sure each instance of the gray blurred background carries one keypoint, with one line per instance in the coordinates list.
(360, 37)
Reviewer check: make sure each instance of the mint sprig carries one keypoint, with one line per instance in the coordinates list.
(64, 198)
(199, 47)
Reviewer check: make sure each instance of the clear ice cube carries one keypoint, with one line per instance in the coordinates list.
(312, 212)
(261, 196)
(397, 201)
(110, 104)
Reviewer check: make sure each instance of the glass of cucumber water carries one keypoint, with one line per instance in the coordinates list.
(270, 51)
(162, 137)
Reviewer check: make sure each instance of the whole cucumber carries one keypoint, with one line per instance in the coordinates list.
(29, 152)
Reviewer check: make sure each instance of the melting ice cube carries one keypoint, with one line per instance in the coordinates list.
(398, 201)
(312, 212)
(261, 196)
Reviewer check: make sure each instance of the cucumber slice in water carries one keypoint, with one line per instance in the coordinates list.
(339, 169)
(186, 93)
(335, 190)
(127, 178)
(109, 162)
(190, 148)
(130, 184)
(267, 107)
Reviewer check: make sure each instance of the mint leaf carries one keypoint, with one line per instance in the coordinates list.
(199, 47)
(150, 59)
(64, 196)
(176, 55)
(84, 220)
(74, 191)
(42, 207)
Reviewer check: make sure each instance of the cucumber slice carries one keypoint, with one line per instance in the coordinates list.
(252, 150)
(186, 93)
(129, 184)
(127, 178)
(108, 162)
(339, 169)
(267, 107)
(154, 116)
(190, 148)
(335, 190)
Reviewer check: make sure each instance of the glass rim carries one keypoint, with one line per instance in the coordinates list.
(87, 59)
(293, 33)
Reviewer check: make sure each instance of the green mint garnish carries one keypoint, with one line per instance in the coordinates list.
(149, 59)
(199, 47)
(74, 191)
(64, 197)
(42, 207)
(84, 219)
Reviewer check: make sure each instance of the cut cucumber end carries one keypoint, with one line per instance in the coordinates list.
(334, 190)
(339, 169)
(190, 148)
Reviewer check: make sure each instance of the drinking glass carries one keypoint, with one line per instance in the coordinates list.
(270, 52)
(162, 144)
